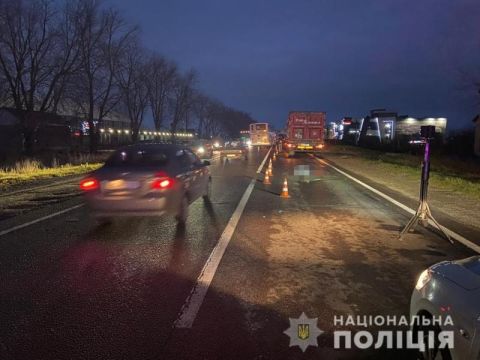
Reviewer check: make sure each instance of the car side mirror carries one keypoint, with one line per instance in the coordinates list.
(206, 163)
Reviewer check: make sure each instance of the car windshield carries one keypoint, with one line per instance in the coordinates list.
(138, 157)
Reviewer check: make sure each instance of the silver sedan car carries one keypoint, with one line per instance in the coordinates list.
(147, 180)
(451, 288)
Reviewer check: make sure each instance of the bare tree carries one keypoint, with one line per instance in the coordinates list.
(182, 98)
(234, 121)
(37, 52)
(201, 107)
(160, 87)
(104, 37)
(84, 58)
(4, 91)
(216, 119)
(132, 77)
(214, 124)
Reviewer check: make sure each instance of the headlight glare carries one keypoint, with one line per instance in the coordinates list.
(423, 279)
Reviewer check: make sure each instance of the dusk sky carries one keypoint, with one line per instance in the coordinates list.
(417, 57)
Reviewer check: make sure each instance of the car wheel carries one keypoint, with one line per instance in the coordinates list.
(435, 353)
(208, 190)
(182, 215)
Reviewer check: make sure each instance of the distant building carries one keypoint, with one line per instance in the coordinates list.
(332, 131)
(384, 127)
(350, 130)
(378, 127)
(47, 131)
(64, 132)
(476, 147)
(410, 126)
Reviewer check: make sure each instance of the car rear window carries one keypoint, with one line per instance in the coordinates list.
(138, 157)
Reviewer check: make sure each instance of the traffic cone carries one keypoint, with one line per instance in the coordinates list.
(274, 156)
(270, 169)
(284, 193)
(266, 178)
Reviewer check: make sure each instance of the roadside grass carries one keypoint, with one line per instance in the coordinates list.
(31, 170)
(447, 173)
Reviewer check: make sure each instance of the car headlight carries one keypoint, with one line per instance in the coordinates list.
(201, 150)
(423, 279)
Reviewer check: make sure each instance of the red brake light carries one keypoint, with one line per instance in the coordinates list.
(89, 184)
(164, 183)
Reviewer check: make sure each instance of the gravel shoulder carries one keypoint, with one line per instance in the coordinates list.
(406, 181)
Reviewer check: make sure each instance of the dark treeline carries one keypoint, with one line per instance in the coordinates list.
(82, 57)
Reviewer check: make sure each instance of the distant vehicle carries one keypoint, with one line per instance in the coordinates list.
(234, 149)
(147, 180)
(259, 134)
(202, 148)
(217, 143)
(451, 288)
(305, 132)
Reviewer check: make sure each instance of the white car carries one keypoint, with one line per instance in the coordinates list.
(450, 288)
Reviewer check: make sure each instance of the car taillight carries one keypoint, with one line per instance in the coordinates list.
(89, 184)
(162, 183)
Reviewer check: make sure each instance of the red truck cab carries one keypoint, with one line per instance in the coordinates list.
(305, 131)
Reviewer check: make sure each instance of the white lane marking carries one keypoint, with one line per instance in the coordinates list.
(264, 161)
(192, 304)
(18, 227)
(450, 233)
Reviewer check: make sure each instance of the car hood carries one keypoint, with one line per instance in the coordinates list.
(464, 273)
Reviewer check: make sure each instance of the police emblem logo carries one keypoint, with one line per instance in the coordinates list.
(303, 332)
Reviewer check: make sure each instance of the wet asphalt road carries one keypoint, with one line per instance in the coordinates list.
(73, 290)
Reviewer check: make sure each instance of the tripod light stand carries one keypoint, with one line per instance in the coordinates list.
(423, 214)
